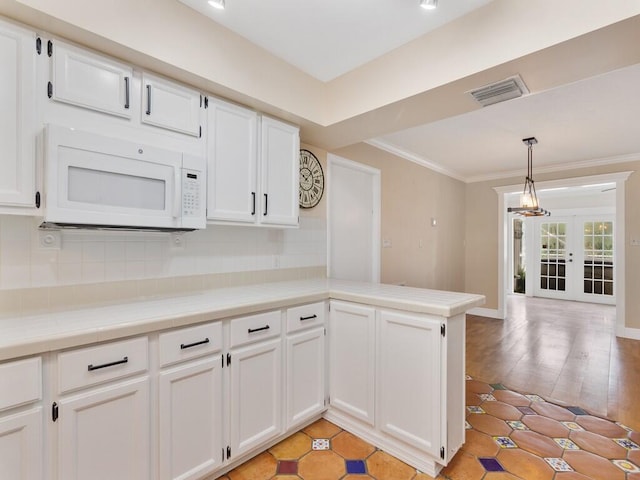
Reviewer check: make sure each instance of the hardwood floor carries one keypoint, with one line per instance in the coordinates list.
(566, 352)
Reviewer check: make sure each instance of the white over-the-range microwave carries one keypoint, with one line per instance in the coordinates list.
(95, 181)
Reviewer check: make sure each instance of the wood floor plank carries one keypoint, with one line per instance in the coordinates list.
(564, 351)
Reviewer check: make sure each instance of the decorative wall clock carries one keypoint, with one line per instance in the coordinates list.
(311, 180)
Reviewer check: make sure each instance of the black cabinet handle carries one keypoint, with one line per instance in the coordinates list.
(126, 92)
(92, 367)
(310, 317)
(148, 112)
(266, 204)
(253, 197)
(252, 330)
(194, 344)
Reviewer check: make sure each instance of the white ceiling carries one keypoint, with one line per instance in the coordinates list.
(591, 121)
(327, 38)
(594, 120)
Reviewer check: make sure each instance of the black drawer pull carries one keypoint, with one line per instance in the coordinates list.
(252, 330)
(92, 367)
(310, 317)
(195, 344)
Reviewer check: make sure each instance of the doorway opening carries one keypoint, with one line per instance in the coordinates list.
(575, 254)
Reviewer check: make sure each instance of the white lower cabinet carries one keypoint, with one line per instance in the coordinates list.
(305, 384)
(352, 360)
(397, 380)
(21, 430)
(408, 380)
(100, 415)
(104, 433)
(190, 415)
(190, 401)
(255, 395)
(21, 445)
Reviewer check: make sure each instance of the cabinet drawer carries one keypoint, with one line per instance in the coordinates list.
(254, 328)
(20, 382)
(305, 316)
(190, 342)
(93, 365)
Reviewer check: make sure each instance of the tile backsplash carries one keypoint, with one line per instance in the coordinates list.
(94, 257)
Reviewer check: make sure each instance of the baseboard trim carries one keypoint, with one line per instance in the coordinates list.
(627, 332)
(486, 312)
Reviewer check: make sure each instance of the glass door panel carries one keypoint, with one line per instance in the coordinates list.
(553, 256)
(598, 259)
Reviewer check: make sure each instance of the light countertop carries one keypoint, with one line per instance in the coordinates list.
(33, 334)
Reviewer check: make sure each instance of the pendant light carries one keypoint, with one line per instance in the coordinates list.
(529, 205)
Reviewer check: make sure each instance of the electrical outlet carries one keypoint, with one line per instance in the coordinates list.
(50, 239)
(176, 241)
(635, 242)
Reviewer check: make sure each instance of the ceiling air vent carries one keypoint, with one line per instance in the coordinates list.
(512, 87)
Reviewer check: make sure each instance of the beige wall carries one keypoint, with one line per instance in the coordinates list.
(411, 196)
(481, 221)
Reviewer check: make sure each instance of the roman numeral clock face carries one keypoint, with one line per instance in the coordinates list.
(311, 180)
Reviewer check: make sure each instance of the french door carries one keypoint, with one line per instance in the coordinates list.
(575, 259)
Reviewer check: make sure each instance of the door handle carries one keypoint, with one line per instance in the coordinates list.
(148, 112)
(126, 92)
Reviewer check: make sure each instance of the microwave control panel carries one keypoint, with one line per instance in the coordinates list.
(191, 194)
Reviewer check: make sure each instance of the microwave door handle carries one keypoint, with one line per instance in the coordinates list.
(177, 204)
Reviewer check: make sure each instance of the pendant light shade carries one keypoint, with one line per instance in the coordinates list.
(428, 4)
(529, 205)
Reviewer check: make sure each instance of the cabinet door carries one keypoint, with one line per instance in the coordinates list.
(279, 173)
(305, 376)
(231, 171)
(104, 433)
(21, 446)
(17, 116)
(256, 395)
(169, 105)
(191, 420)
(91, 81)
(352, 359)
(409, 380)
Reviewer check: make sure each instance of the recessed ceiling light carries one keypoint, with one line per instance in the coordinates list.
(219, 4)
(428, 4)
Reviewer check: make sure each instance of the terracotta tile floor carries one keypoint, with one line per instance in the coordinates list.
(510, 436)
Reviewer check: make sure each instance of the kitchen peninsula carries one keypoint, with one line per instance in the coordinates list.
(196, 384)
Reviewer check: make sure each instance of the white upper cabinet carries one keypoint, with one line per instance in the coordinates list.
(17, 116)
(250, 183)
(280, 172)
(232, 153)
(88, 80)
(170, 105)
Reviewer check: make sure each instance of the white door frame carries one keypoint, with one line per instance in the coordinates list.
(619, 178)
(375, 229)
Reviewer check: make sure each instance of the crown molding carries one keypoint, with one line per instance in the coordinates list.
(418, 159)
